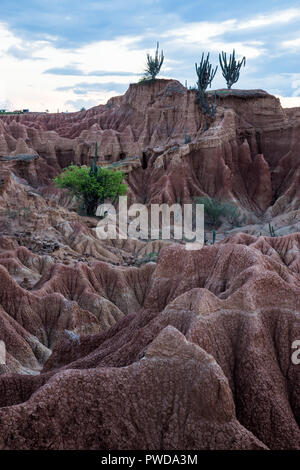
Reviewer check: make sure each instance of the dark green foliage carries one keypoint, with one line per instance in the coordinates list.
(154, 64)
(208, 107)
(231, 69)
(150, 257)
(93, 165)
(145, 81)
(205, 73)
(215, 209)
(233, 215)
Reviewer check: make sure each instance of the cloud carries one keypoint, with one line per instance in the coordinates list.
(110, 73)
(79, 104)
(293, 44)
(95, 49)
(74, 23)
(75, 71)
(278, 17)
(289, 101)
(68, 70)
(84, 88)
(6, 104)
(213, 35)
(22, 53)
(39, 91)
(208, 36)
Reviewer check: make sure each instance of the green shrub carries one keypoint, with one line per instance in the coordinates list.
(214, 210)
(92, 186)
(233, 215)
(148, 258)
(145, 80)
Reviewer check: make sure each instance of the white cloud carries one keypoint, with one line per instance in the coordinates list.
(278, 17)
(289, 101)
(79, 104)
(24, 83)
(201, 31)
(293, 44)
(206, 36)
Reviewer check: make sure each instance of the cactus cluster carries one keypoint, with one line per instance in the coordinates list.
(154, 63)
(205, 73)
(231, 69)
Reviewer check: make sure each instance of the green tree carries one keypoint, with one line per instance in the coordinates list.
(154, 64)
(92, 185)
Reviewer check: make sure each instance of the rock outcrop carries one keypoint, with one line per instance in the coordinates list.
(250, 153)
(196, 334)
(135, 344)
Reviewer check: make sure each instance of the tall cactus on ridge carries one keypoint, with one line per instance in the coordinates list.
(205, 73)
(154, 64)
(231, 70)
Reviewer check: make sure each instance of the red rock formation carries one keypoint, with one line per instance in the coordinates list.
(105, 350)
(238, 340)
(250, 154)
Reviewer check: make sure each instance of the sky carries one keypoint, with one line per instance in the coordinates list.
(68, 54)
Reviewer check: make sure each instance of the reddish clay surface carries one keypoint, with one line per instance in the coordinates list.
(191, 352)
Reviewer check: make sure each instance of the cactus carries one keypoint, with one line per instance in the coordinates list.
(94, 167)
(205, 73)
(214, 234)
(154, 64)
(96, 157)
(272, 230)
(231, 70)
(207, 107)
